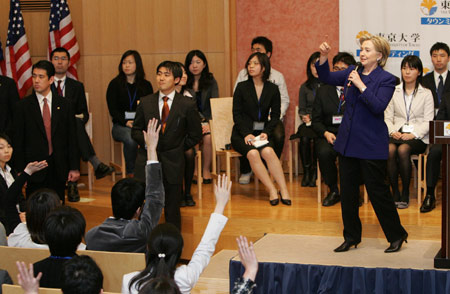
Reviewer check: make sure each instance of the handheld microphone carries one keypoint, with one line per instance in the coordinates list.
(358, 64)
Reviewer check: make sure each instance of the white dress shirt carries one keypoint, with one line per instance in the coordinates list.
(41, 101)
(169, 101)
(275, 77)
(63, 85)
(436, 77)
(186, 276)
(6, 174)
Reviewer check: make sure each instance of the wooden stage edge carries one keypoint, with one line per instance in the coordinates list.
(251, 215)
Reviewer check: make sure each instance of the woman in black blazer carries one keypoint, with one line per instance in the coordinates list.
(11, 185)
(254, 100)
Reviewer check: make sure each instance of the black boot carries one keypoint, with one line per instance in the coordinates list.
(306, 175)
(72, 192)
(313, 178)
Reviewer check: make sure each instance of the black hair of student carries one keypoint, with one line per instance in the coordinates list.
(173, 67)
(64, 229)
(264, 61)
(39, 205)
(160, 285)
(60, 49)
(164, 247)
(45, 65)
(310, 79)
(81, 275)
(206, 77)
(413, 62)
(439, 46)
(263, 41)
(6, 138)
(181, 65)
(127, 195)
(345, 57)
(140, 73)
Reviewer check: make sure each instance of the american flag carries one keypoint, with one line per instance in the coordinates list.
(2, 61)
(62, 34)
(17, 53)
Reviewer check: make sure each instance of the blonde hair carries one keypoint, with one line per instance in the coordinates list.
(381, 45)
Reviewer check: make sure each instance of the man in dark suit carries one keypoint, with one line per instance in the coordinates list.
(437, 80)
(9, 96)
(326, 118)
(74, 91)
(181, 130)
(44, 129)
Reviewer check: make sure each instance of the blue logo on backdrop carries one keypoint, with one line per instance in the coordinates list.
(430, 7)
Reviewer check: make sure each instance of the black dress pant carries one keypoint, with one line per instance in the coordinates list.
(172, 203)
(84, 143)
(434, 165)
(373, 173)
(51, 181)
(327, 161)
(277, 137)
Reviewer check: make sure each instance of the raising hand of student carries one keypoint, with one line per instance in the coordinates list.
(248, 258)
(26, 279)
(222, 192)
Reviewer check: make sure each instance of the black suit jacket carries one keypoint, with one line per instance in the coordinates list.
(9, 96)
(74, 92)
(325, 106)
(183, 131)
(30, 140)
(444, 108)
(428, 82)
(9, 197)
(246, 108)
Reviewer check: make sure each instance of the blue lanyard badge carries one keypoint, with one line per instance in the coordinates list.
(131, 99)
(408, 109)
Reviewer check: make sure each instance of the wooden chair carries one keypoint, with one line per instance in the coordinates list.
(113, 264)
(198, 157)
(89, 132)
(221, 126)
(121, 167)
(420, 174)
(15, 289)
(293, 149)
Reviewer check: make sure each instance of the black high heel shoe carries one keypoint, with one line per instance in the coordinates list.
(274, 202)
(396, 245)
(346, 246)
(285, 201)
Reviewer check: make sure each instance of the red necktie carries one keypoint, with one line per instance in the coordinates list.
(60, 93)
(48, 125)
(165, 113)
(341, 97)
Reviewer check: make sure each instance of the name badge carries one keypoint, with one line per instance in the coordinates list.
(258, 125)
(336, 119)
(407, 129)
(129, 115)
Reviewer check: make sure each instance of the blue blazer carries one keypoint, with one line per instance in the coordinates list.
(363, 133)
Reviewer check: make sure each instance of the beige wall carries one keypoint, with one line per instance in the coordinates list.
(158, 29)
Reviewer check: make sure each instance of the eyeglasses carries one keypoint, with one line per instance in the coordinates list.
(63, 58)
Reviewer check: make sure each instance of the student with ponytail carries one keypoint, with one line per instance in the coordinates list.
(165, 245)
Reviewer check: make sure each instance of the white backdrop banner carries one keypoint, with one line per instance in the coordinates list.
(410, 26)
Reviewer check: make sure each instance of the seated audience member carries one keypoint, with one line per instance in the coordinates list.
(305, 132)
(31, 233)
(11, 185)
(407, 117)
(73, 91)
(203, 87)
(3, 241)
(5, 278)
(131, 225)
(80, 275)
(189, 154)
(247, 255)
(123, 96)
(160, 285)
(434, 159)
(256, 112)
(264, 45)
(165, 244)
(327, 113)
(64, 228)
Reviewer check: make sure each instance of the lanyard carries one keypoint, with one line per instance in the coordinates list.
(60, 257)
(408, 110)
(129, 97)
(341, 100)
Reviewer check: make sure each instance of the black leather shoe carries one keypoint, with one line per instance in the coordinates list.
(189, 201)
(396, 245)
(207, 181)
(346, 246)
(274, 202)
(306, 176)
(313, 178)
(331, 199)
(72, 192)
(103, 170)
(428, 204)
(287, 202)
